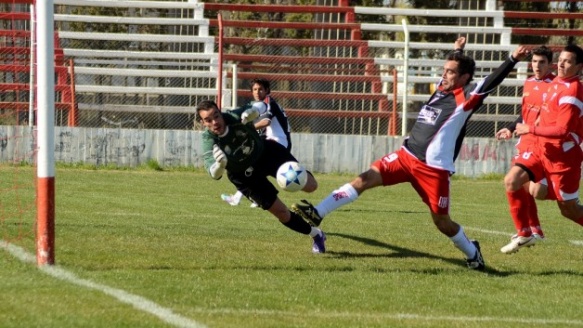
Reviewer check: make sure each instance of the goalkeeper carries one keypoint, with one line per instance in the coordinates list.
(231, 144)
(271, 124)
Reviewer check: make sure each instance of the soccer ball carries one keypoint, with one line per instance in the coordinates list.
(291, 176)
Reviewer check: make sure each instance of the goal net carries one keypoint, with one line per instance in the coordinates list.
(17, 142)
(26, 187)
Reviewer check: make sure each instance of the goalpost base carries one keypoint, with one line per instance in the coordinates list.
(45, 237)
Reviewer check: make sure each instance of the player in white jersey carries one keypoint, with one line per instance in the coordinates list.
(272, 124)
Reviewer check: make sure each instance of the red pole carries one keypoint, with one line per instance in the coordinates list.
(74, 111)
(45, 204)
(45, 238)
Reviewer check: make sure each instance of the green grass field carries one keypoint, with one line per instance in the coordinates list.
(144, 248)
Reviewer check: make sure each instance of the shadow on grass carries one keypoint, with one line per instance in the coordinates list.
(400, 252)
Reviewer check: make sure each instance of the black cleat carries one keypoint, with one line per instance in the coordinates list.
(477, 263)
(308, 212)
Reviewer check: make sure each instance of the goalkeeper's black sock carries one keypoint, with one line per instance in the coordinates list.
(296, 223)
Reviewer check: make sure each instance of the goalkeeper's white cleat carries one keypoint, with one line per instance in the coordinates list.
(230, 199)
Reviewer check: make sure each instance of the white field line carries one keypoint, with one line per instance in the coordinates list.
(488, 231)
(391, 316)
(168, 316)
(140, 303)
(574, 242)
(126, 214)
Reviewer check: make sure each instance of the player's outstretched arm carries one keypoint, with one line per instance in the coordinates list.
(520, 53)
(460, 43)
(252, 113)
(496, 77)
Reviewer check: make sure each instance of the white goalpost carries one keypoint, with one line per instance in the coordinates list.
(45, 118)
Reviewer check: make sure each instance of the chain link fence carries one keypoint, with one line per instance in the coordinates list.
(140, 64)
(339, 95)
(138, 67)
(331, 81)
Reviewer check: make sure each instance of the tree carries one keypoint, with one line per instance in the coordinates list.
(540, 7)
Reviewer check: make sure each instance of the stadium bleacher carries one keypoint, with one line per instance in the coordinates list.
(127, 67)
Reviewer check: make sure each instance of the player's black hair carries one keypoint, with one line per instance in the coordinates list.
(543, 51)
(205, 105)
(466, 64)
(262, 82)
(575, 49)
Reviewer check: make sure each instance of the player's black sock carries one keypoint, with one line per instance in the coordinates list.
(296, 223)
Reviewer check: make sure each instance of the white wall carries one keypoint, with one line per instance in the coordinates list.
(319, 153)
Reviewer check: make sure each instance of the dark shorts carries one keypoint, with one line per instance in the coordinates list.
(253, 183)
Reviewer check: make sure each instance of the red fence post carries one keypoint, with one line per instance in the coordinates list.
(74, 109)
